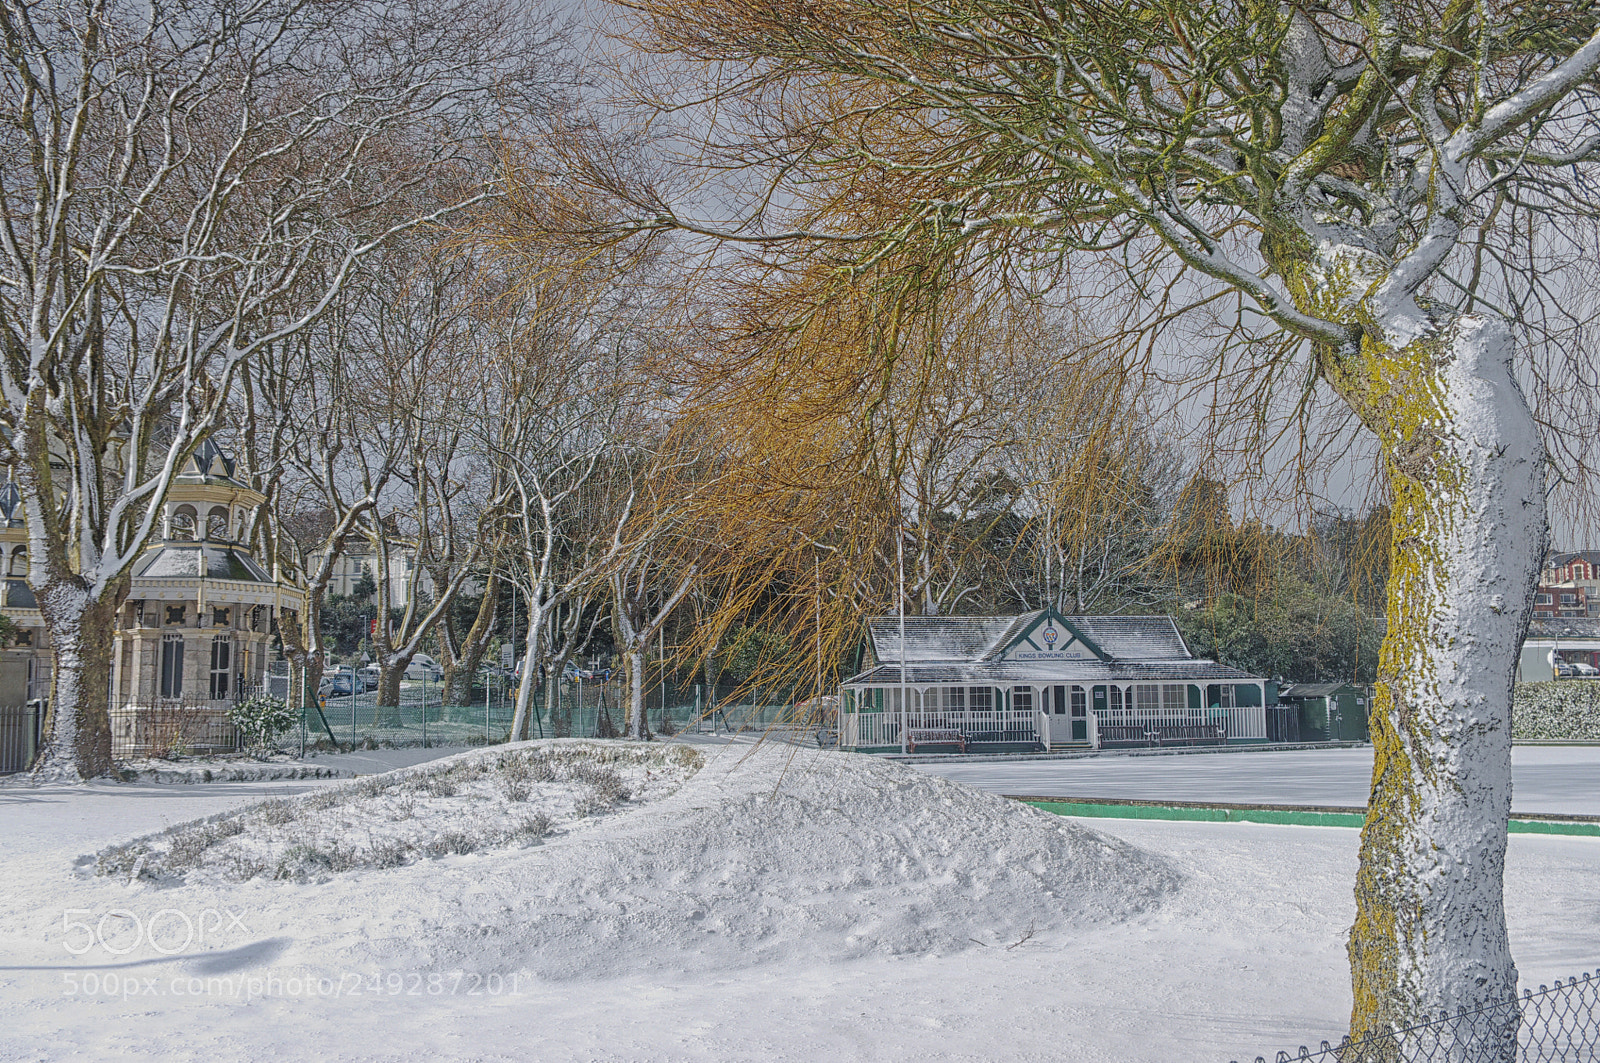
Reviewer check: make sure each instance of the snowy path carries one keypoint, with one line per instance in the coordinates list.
(1245, 957)
(1558, 779)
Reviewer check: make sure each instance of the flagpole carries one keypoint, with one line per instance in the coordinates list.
(900, 580)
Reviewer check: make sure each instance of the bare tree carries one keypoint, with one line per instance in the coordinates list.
(429, 354)
(560, 409)
(185, 187)
(1093, 505)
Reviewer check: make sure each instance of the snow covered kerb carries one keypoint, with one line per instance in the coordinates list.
(512, 796)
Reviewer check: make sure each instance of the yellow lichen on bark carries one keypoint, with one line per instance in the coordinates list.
(1403, 396)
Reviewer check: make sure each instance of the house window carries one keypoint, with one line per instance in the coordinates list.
(19, 561)
(1080, 701)
(955, 699)
(1227, 696)
(1147, 699)
(981, 699)
(221, 666)
(1544, 599)
(1174, 699)
(217, 523)
(1568, 599)
(172, 666)
(1022, 699)
(1115, 699)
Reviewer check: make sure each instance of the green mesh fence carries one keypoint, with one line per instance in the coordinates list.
(569, 709)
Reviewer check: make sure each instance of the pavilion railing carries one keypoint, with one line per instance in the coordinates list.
(878, 729)
(1241, 722)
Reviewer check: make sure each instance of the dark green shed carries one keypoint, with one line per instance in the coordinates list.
(1329, 712)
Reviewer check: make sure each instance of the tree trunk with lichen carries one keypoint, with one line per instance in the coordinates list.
(81, 637)
(1468, 535)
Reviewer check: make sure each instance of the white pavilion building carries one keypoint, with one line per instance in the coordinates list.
(1043, 681)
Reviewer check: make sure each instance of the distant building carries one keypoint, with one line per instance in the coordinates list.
(193, 634)
(1043, 681)
(359, 559)
(1569, 586)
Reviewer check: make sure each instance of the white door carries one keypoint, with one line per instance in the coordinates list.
(1057, 726)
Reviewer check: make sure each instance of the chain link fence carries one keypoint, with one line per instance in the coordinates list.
(1555, 1024)
(570, 708)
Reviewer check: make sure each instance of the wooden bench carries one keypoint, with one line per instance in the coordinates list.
(1115, 736)
(929, 736)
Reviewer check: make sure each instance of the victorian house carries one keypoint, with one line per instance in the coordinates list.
(196, 629)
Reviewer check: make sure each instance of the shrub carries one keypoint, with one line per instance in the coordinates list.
(449, 843)
(261, 718)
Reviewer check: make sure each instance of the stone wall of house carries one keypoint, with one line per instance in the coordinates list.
(1561, 709)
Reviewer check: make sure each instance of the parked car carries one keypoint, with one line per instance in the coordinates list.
(1585, 669)
(571, 671)
(340, 684)
(369, 676)
(424, 667)
(1563, 670)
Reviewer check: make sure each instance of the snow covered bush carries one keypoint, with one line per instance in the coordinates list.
(1562, 709)
(464, 804)
(261, 718)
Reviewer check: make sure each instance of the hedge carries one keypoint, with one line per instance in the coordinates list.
(1563, 708)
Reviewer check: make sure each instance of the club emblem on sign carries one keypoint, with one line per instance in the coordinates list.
(1049, 637)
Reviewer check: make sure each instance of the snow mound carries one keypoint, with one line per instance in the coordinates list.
(772, 856)
(463, 804)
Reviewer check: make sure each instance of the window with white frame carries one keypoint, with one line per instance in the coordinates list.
(981, 699)
(1022, 699)
(172, 665)
(221, 666)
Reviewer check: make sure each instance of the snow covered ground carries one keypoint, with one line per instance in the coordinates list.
(782, 904)
(1559, 779)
